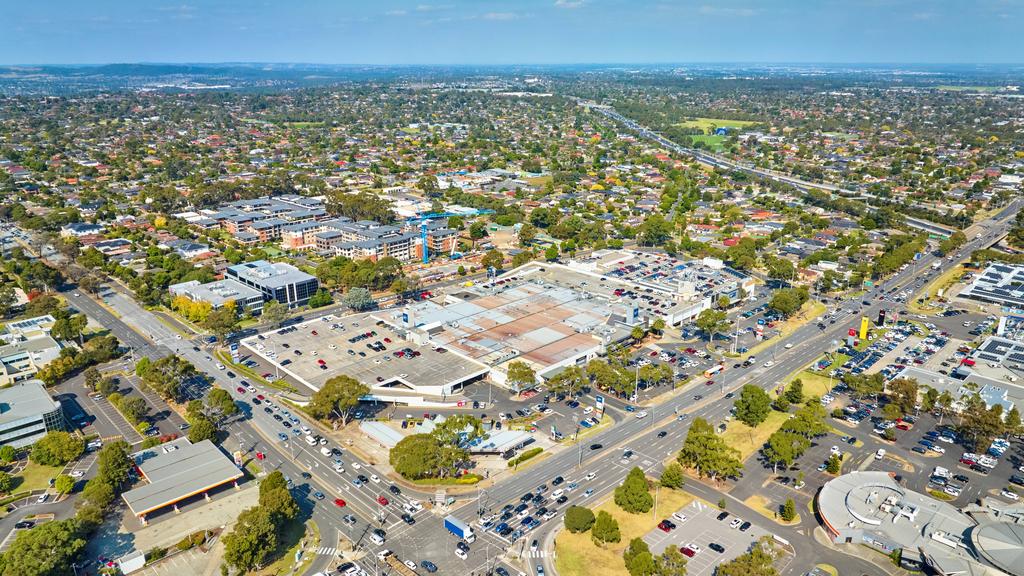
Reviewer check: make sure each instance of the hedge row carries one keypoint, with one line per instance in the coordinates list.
(524, 456)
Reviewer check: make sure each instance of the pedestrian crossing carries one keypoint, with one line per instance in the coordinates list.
(325, 551)
(539, 554)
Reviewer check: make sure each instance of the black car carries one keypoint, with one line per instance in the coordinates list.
(286, 424)
(408, 519)
(918, 449)
(961, 478)
(230, 374)
(24, 524)
(431, 567)
(268, 410)
(562, 499)
(717, 547)
(596, 446)
(363, 479)
(558, 480)
(723, 516)
(306, 475)
(462, 546)
(662, 434)
(526, 497)
(745, 526)
(394, 490)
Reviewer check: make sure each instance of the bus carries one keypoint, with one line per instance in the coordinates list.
(714, 370)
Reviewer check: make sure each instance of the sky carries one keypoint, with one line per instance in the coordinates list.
(510, 31)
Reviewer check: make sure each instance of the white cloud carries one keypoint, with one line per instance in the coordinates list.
(396, 12)
(434, 7)
(570, 3)
(499, 16)
(709, 10)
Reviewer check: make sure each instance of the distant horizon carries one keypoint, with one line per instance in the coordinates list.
(510, 32)
(507, 64)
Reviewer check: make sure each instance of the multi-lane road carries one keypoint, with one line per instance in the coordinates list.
(312, 472)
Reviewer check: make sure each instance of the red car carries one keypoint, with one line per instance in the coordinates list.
(260, 397)
(687, 551)
(339, 502)
(321, 362)
(314, 332)
(653, 354)
(709, 382)
(666, 526)
(382, 500)
(387, 340)
(240, 390)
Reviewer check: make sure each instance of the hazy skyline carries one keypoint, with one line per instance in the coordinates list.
(512, 32)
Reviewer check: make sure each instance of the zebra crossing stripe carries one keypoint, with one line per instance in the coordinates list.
(326, 551)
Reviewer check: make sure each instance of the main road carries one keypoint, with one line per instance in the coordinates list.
(147, 335)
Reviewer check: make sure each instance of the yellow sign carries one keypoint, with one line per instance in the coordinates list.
(863, 327)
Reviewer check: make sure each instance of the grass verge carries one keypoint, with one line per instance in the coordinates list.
(35, 477)
(944, 280)
(577, 555)
(769, 510)
(279, 384)
(808, 312)
(289, 542)
(748, 440)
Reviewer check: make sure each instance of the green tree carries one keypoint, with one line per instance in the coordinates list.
(202, 428)
(134, 408)
(784, 447)
(253, 538)
(605, 529)
(106, 386)
(638, 558)
(672, 476)
(321, 298)
(492, 259)
(279, 502)
(788, 512)
(578, 519)
(707, 452)
(753, 405)
(8, 454)
(222, 321)
(46, 550)
(567, 381)
(795, 392)
(114, 465)
(92, 377)
(520, 376)
(6, 483)
(477, 231)
(551, 253)
(337, 397)
(633, 495)
(903, 392)
(416, 457)
(274, 312)
(218, 402)
(527, 234)
(787, 301)
(712, 322)
(671, 562)
(57, 448)
(64, 484)
(834, 464)
(358, 299)
(756, 562)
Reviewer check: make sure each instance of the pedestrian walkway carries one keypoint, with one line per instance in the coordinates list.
(325, 551)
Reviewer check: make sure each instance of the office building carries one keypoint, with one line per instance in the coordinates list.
(27, 413)
(276, 281)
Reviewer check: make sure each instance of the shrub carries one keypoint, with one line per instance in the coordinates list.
(578, 519)
(524, 456)
(155, 553)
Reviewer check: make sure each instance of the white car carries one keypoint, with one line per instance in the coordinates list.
(374, 478)
(679, 517)
(356, 465)
(1009, 495)
(735, 523)
(641, 414)
(77, 474)
(220, 366)
(590, 477)
(460, 553)
(937, 448)
(768, 364)
(325, 451)
(789, 345)
(834, 450)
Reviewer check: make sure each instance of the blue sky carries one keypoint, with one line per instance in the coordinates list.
(510, 31)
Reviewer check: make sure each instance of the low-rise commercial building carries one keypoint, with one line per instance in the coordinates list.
(178, 470)
(872, 509)
(999, 283)
(26, 347)
(221, 292)
(276, 281)
(27, 413)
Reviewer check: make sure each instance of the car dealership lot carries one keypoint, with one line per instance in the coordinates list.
(702, 528)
